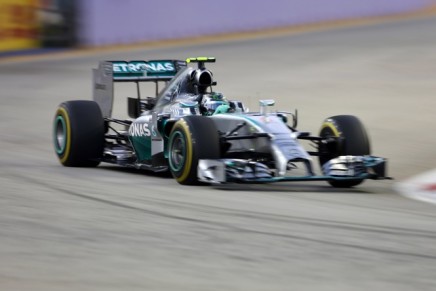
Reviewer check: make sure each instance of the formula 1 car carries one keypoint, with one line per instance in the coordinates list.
(199, 135)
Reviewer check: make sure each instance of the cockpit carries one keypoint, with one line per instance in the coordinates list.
(191, 88)
(187, 91)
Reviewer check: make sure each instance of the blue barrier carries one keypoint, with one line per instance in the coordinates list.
(104, 22)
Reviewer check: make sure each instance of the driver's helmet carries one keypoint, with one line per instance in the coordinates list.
(213, 101)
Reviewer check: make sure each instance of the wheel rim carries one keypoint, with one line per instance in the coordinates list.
(326, 132)
(177, 151)
(60, 130)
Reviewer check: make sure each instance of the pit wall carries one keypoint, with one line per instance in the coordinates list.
(106, 22)
(26, 25)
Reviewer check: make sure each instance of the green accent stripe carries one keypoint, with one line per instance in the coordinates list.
(60, 148)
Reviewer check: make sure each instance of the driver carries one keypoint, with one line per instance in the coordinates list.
(214, 103)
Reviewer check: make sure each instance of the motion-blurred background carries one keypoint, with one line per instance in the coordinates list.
(33, 24)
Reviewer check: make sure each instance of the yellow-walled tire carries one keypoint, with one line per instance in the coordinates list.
(78, 133)
(192, 138)
(355, 142)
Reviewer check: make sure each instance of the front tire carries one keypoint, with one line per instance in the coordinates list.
(192, 138)
(354, 142)
(78, 133)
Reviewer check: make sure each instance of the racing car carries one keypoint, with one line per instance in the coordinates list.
(200, 136)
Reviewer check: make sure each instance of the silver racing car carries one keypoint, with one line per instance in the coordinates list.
(196, 133)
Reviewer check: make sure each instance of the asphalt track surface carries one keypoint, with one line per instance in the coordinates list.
(114, 229)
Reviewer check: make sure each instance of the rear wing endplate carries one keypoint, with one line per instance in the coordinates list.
(109, 72)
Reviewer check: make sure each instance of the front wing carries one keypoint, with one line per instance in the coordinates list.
(243, 171)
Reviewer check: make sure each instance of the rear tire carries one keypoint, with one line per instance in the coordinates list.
(78, 133)
(355, 142)
(192, 138)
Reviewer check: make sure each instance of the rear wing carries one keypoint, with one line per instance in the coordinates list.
(109, 72)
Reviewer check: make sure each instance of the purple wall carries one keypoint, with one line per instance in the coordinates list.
(103, 22)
